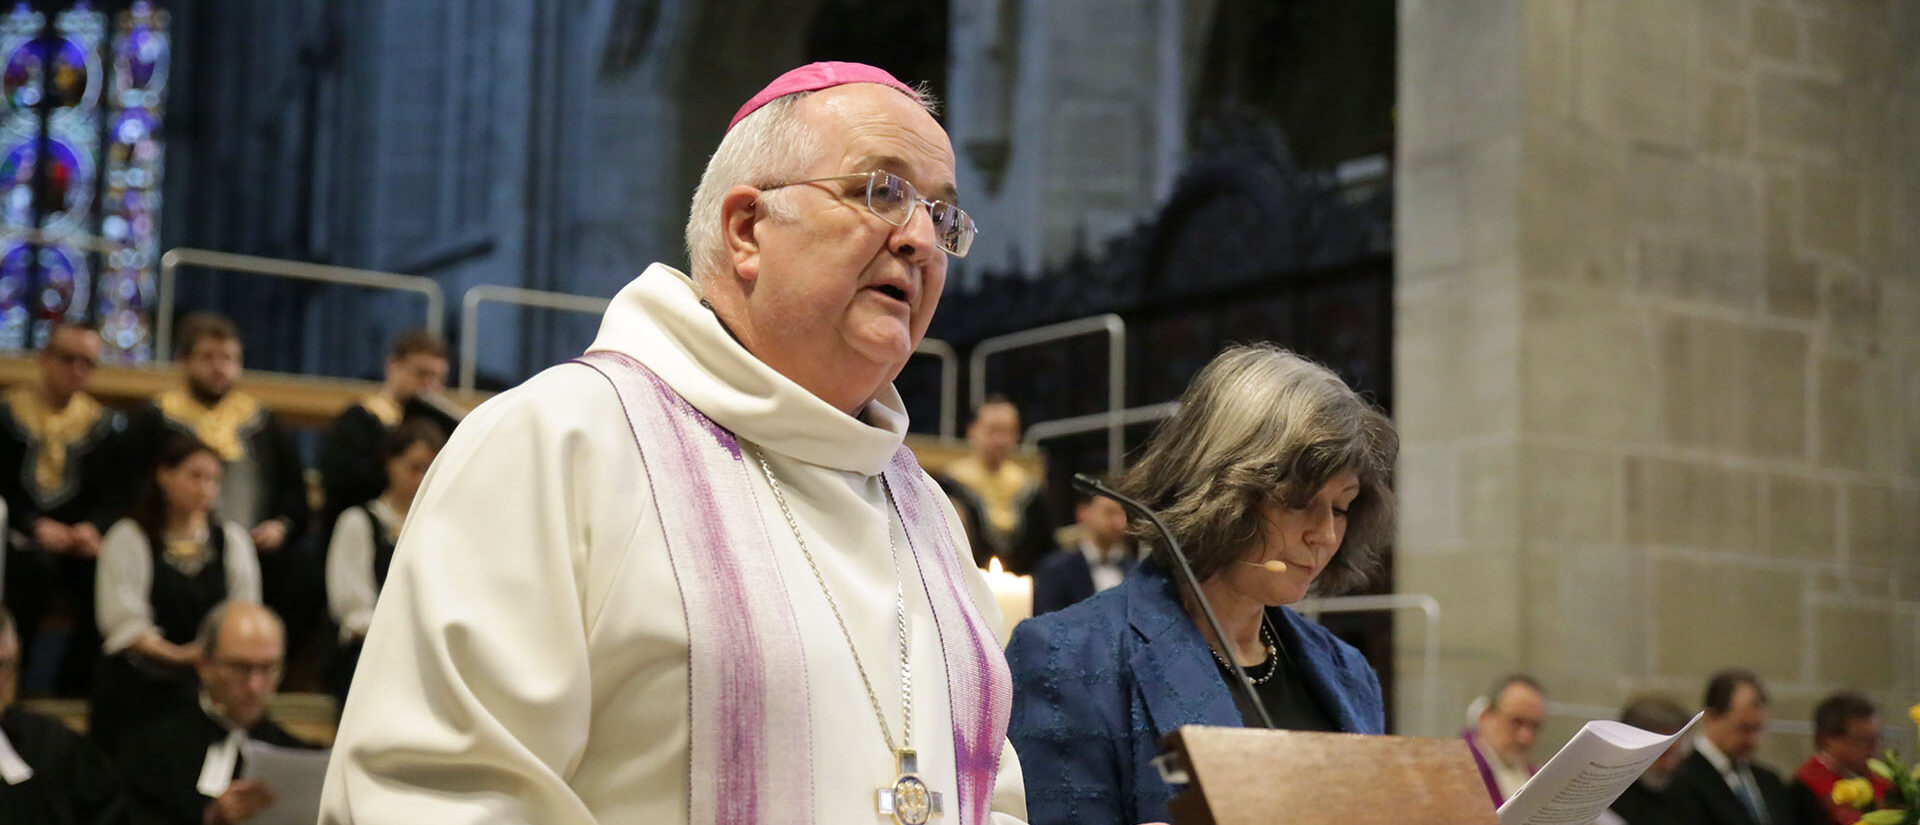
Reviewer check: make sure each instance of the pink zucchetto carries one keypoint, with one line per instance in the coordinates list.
(816, 76)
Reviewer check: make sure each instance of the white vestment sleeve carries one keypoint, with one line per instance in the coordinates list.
(243, 565)
(120, 586)
(350, 591)
(473, 700)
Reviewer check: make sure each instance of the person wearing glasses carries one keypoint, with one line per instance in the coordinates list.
(163, 568)
(61, 478)
(185, 768)
(694, 575)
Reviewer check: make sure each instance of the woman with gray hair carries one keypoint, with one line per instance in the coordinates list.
(1276, 478)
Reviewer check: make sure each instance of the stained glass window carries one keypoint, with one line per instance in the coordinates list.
(77, 102)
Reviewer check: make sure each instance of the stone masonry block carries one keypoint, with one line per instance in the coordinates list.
(1708, 616)
(1679, 504)
(1585, 365)
(1733, 386)
(1633, 70)
(1571, 495)
(1801, 519)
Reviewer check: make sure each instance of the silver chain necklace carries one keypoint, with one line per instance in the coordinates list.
(908, 799)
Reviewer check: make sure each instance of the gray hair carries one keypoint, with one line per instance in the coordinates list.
(1262, 425)
(208, 636)
(771, 145)
(1500, 685)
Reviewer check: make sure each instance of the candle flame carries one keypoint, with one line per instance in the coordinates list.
(993, 566)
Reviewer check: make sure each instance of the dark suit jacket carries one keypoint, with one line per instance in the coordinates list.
(1699, 795)
(1096, 686)
(92, 491)
(1640, 804)
(72, 784)
(162, 764)
(1061, 579)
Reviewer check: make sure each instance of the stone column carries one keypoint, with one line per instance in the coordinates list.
(1658, 357)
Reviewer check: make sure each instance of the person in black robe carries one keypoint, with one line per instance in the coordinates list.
(263, 487)
(161, 571)
(351, 467)
(363, 540)
(48, 774)
(185, 768)
(1645, 802)
(60, 475)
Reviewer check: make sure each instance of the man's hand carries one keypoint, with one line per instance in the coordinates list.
(52, 536)
(86, 540)
(243, 799)
(269, 535)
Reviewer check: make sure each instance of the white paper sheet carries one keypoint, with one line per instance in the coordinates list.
(1587, 775)
(294, 776)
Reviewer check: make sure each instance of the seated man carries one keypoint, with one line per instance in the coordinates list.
(183, 769)
(1503, 733)
(1003, 497)
(48, 774)
(1720, 783)
(62, 479)
(1099, 560)
(1846, 733)
(1645, 801)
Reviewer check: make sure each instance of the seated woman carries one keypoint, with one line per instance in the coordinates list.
(363, 539)
(1275, 478)
(161, 570)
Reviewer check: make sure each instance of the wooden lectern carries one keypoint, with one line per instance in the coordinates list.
(1244, 776)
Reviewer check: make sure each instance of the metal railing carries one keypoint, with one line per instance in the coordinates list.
(298, 270)
(1428, 606)
(470, 317)
(1116, 330)
(1094, 422)
(949, 383)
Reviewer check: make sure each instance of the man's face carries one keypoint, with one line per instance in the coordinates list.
(830, 282)
(1860, 742)
(417, 374)
(212, 366)
(244, 671)
(994, 432)
(1102, 521)
(1511, 723)
(68, 360)
(1737, 732)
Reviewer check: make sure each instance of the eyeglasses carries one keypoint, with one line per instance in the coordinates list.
(893, 199)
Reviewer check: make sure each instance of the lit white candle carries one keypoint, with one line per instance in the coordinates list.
(1014, 593)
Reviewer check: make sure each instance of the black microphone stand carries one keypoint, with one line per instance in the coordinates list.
(1092, 485)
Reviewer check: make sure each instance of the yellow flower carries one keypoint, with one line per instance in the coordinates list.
(1853, 793)
(1914, 714)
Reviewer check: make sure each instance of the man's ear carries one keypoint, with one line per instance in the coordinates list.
(739, 229)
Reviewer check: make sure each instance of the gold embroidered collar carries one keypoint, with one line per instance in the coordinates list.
(52, 433)
(221, 426)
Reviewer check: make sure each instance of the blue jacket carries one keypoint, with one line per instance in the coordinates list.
(1096, 686)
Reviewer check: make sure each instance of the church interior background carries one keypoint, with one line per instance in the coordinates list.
(1637, 279)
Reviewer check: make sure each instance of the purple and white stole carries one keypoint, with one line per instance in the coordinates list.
(751, 720)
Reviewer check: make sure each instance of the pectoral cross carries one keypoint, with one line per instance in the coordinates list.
(908, 801)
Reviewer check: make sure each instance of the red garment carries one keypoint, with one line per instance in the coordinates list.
(1820, 778)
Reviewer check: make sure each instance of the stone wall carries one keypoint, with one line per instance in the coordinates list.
(1658, 360)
